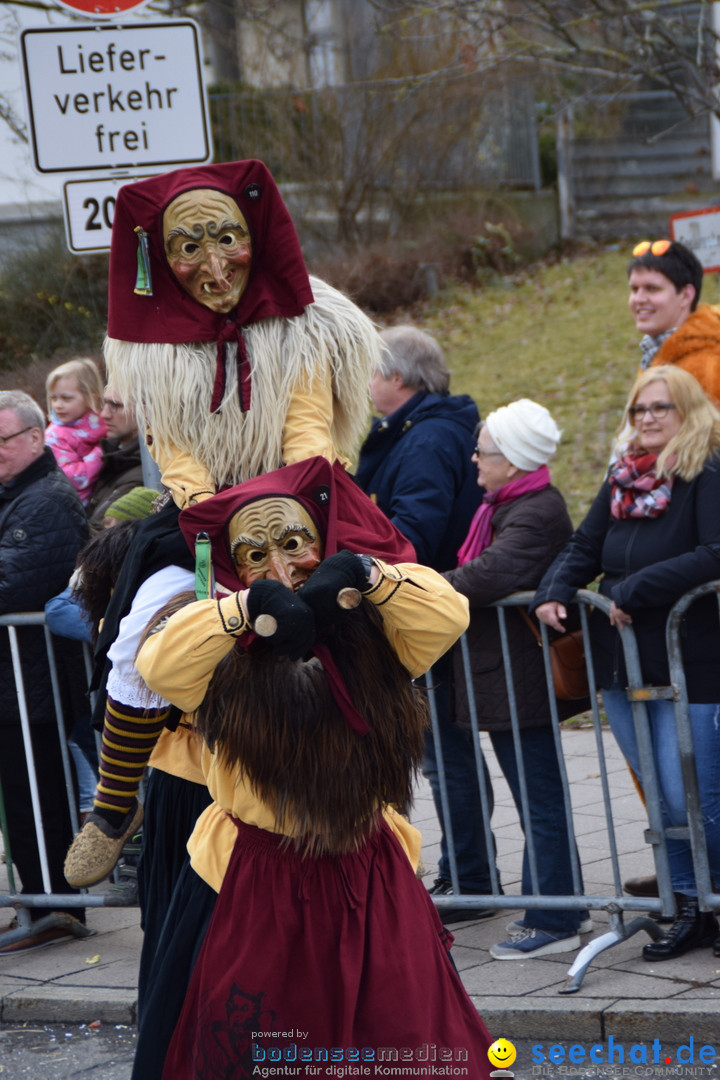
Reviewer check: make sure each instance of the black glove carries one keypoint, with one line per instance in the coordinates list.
(344, 570)
(295, 632)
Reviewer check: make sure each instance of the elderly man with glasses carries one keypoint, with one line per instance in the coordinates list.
(415, 464)
(42, 528)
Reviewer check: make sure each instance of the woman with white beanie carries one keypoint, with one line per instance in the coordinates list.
(520, 527)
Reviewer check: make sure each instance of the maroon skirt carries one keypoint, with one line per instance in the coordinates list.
(320, 961)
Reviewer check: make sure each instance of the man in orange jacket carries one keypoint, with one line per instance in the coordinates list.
(665, 281)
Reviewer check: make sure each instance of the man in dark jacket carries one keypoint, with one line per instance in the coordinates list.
(42, 528)
(416, 464)
(122, 465)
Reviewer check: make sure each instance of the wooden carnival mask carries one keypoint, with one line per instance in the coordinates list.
(208, 247)
(274, 538)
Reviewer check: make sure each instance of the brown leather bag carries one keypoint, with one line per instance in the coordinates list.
(567, 660)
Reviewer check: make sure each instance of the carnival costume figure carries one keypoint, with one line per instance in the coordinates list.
(235, 362)
(311, 735)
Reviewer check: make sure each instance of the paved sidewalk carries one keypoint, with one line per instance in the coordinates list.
(622, 995)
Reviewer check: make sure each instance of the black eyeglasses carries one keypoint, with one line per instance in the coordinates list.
(658, 410)
(479, 453)
(113, 406)
(6, 438)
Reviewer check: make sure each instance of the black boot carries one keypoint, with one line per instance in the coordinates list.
(692, 929)
(716, 947)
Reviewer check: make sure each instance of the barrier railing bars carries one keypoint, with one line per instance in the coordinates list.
(24, 901)
(693, 831)
(656, 834)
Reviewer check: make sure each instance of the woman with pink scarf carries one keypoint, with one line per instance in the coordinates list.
(520, 527)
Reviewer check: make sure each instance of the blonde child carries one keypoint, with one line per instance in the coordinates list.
(74, 400)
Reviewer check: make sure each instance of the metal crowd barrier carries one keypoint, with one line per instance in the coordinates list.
(114, 896)
(656, 834)
(614, 903)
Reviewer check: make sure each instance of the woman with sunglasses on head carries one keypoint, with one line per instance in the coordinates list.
(653, 532)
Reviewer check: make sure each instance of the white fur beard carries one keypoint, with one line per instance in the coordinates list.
(170, 386)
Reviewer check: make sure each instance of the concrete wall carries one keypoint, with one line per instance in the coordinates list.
(24, 226)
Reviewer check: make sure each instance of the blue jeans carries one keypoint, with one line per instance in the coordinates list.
(705, 724)
(465, 808)
(547, 819)
(81, 744)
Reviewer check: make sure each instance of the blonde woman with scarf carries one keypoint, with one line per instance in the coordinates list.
(653, 532)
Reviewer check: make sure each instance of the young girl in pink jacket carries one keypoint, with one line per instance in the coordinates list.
(74, 399)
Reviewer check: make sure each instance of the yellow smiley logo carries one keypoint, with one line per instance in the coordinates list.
(502, 1053)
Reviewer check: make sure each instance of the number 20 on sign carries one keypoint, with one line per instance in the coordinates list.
(89, 207)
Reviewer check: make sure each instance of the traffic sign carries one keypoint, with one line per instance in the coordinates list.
(106, 98)
(89, 206)
(699, 230)
(102, 9)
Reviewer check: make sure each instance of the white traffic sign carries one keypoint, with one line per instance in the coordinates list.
(89, 207)
(700, 231)
(107, 97)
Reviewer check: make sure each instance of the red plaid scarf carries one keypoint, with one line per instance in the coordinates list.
(637, 490)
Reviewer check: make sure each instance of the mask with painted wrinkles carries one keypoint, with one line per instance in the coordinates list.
(208, 247)
(277, 539)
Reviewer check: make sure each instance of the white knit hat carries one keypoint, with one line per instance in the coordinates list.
(525, 433)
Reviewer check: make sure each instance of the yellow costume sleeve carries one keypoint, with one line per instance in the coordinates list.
(188, 481)
(422, 617)
(422, 614)
(308, 426)
(179, 753)
(183, 653)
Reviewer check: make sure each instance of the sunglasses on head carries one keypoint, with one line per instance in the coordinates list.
(655, 247)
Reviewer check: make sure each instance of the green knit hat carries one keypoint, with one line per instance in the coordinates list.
(133, 505)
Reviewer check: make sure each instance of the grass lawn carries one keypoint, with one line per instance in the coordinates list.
(559, 334)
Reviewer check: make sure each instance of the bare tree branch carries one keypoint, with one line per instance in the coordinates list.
(670, 44)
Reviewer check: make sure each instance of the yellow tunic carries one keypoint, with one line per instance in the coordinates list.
(307, 433)
(179, 753)
(422, 617)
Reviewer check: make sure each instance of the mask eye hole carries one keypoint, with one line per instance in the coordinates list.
(256, 557)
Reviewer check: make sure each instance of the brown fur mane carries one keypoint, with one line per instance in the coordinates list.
(277, 722)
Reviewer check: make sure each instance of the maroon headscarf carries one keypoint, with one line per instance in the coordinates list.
(278, 283)
(347, 519)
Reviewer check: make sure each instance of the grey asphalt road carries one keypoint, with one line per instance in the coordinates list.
(61, 1051)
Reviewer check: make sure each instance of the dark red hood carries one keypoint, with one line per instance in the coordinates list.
(348, 520)
(278, 285)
